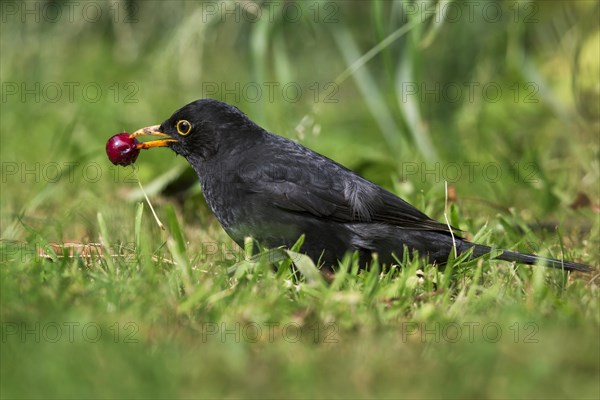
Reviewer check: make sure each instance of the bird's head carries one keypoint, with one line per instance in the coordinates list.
(199, 129)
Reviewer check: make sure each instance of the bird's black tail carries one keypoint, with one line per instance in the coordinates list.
(507, 255)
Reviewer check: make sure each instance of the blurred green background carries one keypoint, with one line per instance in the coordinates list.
(499, 99)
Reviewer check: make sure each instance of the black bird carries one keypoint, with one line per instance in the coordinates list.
(270, 188)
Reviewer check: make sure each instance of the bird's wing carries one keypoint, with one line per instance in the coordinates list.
(337, 194)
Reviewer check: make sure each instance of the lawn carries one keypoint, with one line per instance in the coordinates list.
(487, 113)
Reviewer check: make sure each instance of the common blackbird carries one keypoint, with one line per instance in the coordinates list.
(270, 188)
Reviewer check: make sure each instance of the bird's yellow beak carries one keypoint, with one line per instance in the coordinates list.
(153, 130)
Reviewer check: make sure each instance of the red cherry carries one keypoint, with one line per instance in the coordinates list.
(122, 150)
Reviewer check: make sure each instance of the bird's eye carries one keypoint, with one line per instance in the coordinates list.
(183, 127)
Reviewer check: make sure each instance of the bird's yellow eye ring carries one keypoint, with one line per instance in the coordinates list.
(183, 127)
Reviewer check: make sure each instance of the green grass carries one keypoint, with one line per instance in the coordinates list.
(186, 313)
